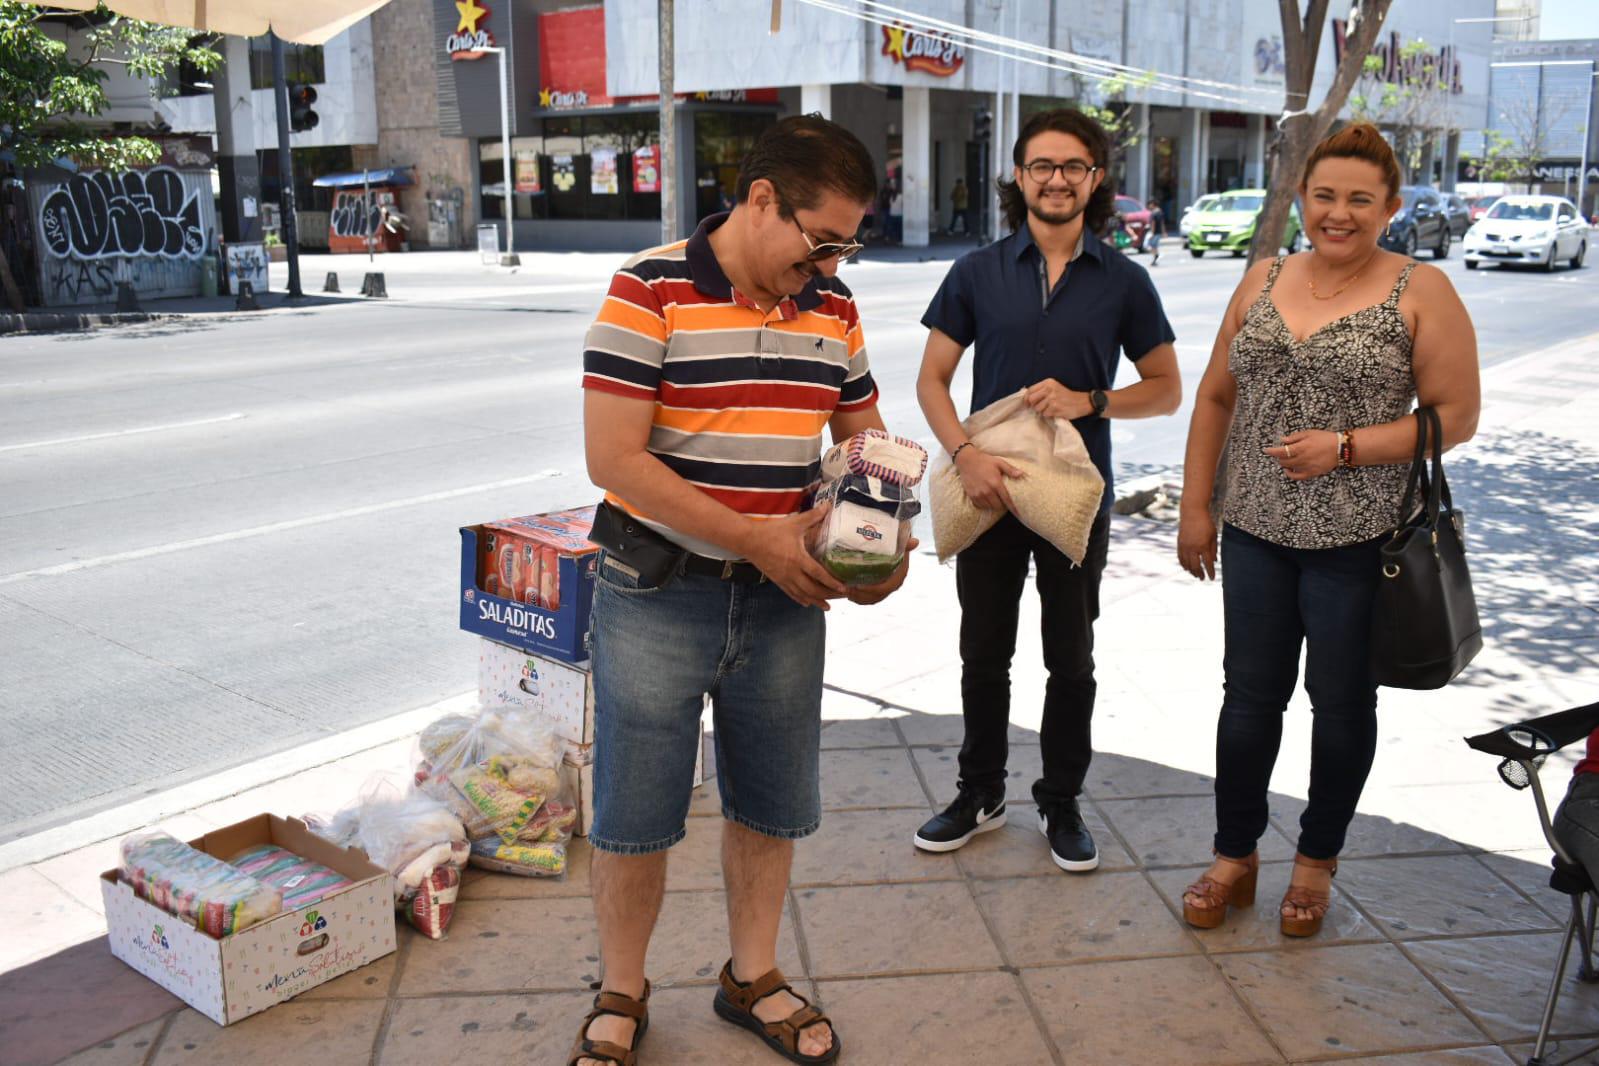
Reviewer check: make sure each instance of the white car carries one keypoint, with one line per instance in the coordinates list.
(1541, 230)
(1200, 204)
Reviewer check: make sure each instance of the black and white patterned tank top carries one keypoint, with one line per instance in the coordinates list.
(1354, 371)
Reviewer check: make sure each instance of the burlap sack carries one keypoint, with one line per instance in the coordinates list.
(1058, 499)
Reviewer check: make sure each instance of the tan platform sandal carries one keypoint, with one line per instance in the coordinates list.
(1308, 899)
(1218, 895)
(736, 1003)
(603, 1050)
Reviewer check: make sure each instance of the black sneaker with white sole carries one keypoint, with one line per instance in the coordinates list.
(970, 814)
(1071, 845)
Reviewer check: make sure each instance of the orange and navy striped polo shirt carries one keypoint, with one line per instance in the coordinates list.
(741, 395)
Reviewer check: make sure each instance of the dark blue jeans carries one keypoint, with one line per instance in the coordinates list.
(1275, 600)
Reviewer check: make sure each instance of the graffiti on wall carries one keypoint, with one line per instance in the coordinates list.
(149, 227)
(354, 215)
(102, 214)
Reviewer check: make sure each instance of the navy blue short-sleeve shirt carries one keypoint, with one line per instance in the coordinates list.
(1104, 306)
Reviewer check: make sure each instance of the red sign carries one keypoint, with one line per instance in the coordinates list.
(647, 169)
(927, 52)
(469, 39)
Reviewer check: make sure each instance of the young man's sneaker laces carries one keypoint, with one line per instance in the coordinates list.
(969, 815)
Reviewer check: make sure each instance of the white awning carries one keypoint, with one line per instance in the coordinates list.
(300, 21)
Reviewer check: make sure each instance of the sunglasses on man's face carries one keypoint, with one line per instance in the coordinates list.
(823, 250)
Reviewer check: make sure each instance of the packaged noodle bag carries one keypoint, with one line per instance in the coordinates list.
(869, 489)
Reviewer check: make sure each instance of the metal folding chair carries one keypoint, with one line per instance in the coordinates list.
(1522, 749)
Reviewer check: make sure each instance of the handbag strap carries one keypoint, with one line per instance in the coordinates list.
(1440, 485)
(1418, 470)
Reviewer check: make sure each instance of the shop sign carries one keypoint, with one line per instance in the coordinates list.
(647, 169)
(602, 172)
(526, 172)
(556, 100)
(933, 53)
(1426, 68)
(469, 38)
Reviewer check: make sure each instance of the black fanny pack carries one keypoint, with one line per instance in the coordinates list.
(636, 545)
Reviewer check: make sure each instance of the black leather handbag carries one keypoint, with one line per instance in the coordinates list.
(1424, 622)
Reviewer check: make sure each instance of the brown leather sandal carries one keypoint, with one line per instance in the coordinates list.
(1309, 899)
(603, 1050)
(1218, 895)
(736, 1003)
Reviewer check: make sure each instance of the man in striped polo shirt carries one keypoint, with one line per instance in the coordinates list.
(711, 371)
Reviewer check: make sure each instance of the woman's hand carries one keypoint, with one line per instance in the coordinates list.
(1196, 542)
(1306, 454)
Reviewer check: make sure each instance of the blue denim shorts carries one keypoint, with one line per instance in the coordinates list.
(657, 654)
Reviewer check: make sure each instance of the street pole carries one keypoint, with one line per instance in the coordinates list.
(668, 133)
(510, 258)
(366, 209)
(1587, 135)
(280, 96)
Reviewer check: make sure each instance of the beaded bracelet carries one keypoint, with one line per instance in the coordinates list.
(1346, 449)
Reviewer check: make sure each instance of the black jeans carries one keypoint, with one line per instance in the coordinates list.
(989, 577)
(1276, 599)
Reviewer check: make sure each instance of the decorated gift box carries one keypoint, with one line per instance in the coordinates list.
(233, 976)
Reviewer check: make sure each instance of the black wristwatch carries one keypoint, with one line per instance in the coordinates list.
(1100, 401)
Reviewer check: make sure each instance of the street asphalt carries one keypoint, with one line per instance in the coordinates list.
(222, 536)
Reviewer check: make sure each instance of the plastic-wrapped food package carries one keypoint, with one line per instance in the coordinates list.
(1058, 498)
(869, 488)
(201, 889)
(499, 773)
(298, 880)
(413, 836)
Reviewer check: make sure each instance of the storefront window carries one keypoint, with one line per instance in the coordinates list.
(583, 167)
(721, 141)
(491, 177)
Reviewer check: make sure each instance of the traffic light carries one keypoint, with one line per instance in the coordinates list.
(982, 125)
(301, 117)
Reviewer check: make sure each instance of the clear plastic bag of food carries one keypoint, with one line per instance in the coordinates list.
(500, 774)
(204, 891)
(869, 490)
(1058, 498)
(300, 881)
(418, 839)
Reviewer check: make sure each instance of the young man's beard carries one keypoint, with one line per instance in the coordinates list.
(1057, 216)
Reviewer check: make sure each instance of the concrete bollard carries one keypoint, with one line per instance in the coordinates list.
(373, 285)
(332, 284)
(245, 300)
(127, 299)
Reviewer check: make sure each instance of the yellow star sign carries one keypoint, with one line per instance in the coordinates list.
(471, 15)
(894, 46)
(544, 98)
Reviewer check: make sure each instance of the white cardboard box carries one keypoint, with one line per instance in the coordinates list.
(562, 694)
(274, 960)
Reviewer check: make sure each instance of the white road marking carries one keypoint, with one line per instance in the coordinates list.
(30, 445)
(274, 527)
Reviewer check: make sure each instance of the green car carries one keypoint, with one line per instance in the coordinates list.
(1227, 224)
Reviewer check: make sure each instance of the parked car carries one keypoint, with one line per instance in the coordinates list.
(1542, 230)
(1227, 224)
(1136, 217)
(1187, 221)
(1419, 223)
(1459, 214)
(1480, 205)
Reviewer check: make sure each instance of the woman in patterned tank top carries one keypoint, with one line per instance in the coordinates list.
(1310, 385)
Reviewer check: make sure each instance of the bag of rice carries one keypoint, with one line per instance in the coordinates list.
(1058, 499)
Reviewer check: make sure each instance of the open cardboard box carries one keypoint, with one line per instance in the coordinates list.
(274, 960)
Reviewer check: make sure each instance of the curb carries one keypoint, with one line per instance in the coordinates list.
(66, 322)
(148, 810)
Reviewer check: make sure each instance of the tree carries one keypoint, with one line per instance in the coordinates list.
(1527, 126)
(1300, 128)
(1499, 160)
(1414, 109)
(48, 91)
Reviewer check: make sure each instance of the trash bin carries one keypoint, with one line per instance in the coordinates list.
(488, 242)
(208, 275)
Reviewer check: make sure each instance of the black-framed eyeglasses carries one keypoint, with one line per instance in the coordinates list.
(1075, 171)
(820, 250)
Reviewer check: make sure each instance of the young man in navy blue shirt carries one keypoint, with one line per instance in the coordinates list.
(1050, 309)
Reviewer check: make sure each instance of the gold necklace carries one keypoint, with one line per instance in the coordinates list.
(1311, 280)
